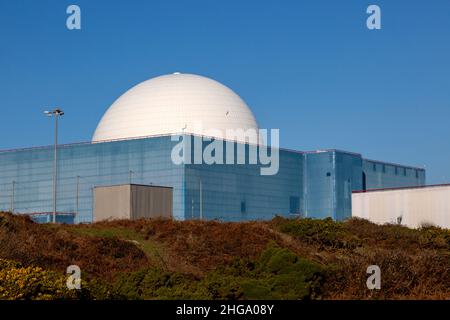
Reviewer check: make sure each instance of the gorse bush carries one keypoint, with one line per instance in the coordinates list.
(34, 283)
(17, 282)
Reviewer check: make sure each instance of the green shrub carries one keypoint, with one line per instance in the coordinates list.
(277, 274)
(220, 286)
(157, 284)
(324, 232)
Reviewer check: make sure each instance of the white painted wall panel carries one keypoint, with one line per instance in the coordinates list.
(416, 206)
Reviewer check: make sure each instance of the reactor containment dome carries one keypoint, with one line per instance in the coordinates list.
(175, 104)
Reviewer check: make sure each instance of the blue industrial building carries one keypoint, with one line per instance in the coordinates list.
(315, 184)
(310, 184)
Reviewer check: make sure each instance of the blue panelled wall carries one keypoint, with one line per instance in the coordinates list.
(308, 184)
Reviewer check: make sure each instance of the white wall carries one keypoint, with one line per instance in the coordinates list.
(415, 205)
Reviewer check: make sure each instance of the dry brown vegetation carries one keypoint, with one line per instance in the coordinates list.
(198, 247)
(56, 248)
(415, 264)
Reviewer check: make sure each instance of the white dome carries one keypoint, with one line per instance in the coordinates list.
(174, 104)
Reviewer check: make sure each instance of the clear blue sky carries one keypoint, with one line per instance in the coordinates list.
(310, 68)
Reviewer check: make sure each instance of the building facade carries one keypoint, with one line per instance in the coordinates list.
(133, 144)
(315, 184)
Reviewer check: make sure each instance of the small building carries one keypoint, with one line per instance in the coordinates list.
(411, 206)
(132, 201)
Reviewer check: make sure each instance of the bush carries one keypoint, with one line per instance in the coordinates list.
(157, 284)
(34, 283)
(434, 237)
(17, 282)
(277, 274)
(325, 232)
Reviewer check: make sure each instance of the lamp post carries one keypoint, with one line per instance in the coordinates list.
(56, 113)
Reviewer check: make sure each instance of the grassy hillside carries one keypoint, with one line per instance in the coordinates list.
(278, 259)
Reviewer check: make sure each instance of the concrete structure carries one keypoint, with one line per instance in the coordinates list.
(130, 201)
(141, 125)
(412, 207)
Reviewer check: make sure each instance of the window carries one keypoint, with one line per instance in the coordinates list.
(396, 171)
(374, 167)
(384, 168)
(243, 207)
(404, 172)
(294, 205)
(417, 174)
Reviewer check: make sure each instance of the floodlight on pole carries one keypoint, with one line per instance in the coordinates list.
(55, 113)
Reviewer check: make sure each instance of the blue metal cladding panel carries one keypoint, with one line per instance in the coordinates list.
(320, 178)
(107, 163)
(348, 178)
(226, 187)
(331, 176)
(380, 175)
